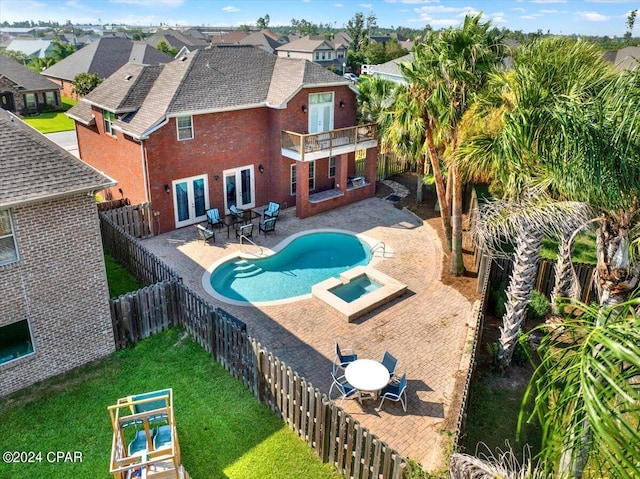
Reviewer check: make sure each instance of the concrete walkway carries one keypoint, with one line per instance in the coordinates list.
(429, 329)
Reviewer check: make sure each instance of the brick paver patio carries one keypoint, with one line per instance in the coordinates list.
(429, 329)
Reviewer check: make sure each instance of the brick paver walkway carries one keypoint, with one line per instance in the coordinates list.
(428, 329)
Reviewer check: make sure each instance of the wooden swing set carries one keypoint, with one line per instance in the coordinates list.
(145, 441)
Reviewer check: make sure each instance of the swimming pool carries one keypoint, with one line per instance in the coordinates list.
(291, 272)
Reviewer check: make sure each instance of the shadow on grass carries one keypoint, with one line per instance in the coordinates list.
(222, 428)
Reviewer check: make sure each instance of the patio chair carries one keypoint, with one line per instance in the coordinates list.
(343, 358)
(268, 225)
(342, 385)
(396, 392)
(162, 437)
(213, 218)
(390, 362)
(237, 212)
(205, 234)
(245, 230)
(272, 210)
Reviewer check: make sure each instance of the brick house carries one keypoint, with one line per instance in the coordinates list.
(24, 91)
(316, 49)
(227, 126)
(55, 300)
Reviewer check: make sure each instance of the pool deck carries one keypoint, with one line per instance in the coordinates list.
(429, 329)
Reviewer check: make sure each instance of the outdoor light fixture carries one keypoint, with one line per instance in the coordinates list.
(167, 188)
(304, 108)
(341, 103)
(261, 169)
(216, 177)
(121, 193)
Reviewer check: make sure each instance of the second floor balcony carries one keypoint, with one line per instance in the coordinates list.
(313, 146)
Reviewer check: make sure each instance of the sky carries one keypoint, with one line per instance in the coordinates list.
(582, 17)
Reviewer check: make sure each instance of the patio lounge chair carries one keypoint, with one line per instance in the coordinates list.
(343, 358)
(342, 385)
(237, 212)
(245, 230)
(213, 218)
(205, 234)
(268, 225)
(389, 362)
(395, 392)
(272, 210)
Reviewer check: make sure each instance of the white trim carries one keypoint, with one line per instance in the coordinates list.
(252, 185)
(11, 234)
(191, 219)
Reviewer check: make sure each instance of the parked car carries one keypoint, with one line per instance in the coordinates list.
(351, 76)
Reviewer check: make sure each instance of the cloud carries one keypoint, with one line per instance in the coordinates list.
(529, 17)
(519, 9)
(230, 9)
(592, 16)
(413, 2)
(151, 3)
(549, 11)
(548, 1)
(440, 9)
(338, 5)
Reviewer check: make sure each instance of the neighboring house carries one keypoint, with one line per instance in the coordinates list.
(316, 49)
(102, 57)
(32, 47)
(177, 40)
(55, 299)
(229, 125)
(390, 70)
(227, 38)
(264, 39)
(624, 59)
(24, 91)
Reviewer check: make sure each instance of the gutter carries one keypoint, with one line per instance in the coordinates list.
(39, 199)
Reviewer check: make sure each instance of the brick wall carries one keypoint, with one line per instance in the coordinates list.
(60, 286)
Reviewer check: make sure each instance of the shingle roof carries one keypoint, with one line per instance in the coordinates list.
(23, 77)
(219, 78)
(305, 44)
(32, 47)
(104, 57)
(33, 168)
(626, 58)
(260, 39)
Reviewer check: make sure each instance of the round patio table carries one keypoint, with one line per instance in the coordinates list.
(367, 375)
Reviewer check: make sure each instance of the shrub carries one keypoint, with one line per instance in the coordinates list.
(538, 306)
(498, 298)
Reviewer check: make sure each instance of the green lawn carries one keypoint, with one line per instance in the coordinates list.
(583, 249)
(120, 280)
(55, 121)
(224, 431)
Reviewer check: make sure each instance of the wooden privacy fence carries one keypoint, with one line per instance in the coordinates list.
(335, 436)
(390, 164)
(144, 265)
(136, 220)
(502, 267)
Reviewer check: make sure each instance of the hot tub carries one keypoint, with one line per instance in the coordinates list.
(357, 291)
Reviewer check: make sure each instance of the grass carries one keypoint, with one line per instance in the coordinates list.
(120, 280)
(53, 121)
(582, 251)
(224, 431)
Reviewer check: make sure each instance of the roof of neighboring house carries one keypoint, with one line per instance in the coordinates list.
(23, 78)
(261, 39)
(31, 47)
(216, 79)
(391, 68)
(33, 168)
(624, 59)
(306, 44)
(103, 57)
(231, 38)
(176, 39)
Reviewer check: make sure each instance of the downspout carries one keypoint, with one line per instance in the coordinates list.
(145, 172)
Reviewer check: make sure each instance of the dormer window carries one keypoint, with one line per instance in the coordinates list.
(185, 127)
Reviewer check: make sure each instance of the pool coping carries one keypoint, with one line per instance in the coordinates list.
(266, 252)
(390, 289)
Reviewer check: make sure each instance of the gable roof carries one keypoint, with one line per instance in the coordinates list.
(261, 39)
(104, 57)
(215, 79)
(231, 38)
(33, 168)
(31, 47)
(624, 59)
(23, 78)
(176, 39)
(306, 44)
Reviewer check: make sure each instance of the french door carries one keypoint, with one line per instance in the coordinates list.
(239, 185)
(190, 200)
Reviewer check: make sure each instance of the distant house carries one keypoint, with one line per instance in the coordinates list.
(228, 126)
(316, 49)
(31, 47)
(102, 57)
(226, 37)
(178, 40)
(390, 70)
(624, 59)
(55, 299)
(264, 39)
(24, 91)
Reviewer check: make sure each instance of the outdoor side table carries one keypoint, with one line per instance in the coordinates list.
(367, 375)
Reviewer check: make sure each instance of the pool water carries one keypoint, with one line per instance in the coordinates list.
(305, 261)
(356, 288)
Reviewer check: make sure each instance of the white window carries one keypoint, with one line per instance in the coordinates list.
(293, 179)
(185, 127)
(108, 118)
(50, 98)
(15, 341)
(332, 167)
(341, 54)
(312, 175)
(323, 55)
(317, 55)
(8, 247)
(30, 99)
